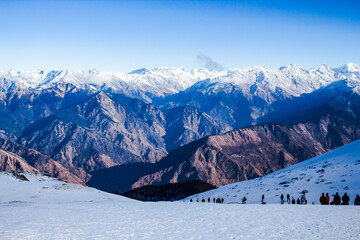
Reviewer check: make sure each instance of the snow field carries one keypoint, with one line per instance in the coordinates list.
(45, 208)
(137, 220)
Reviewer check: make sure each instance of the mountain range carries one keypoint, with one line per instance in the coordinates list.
(168, 124)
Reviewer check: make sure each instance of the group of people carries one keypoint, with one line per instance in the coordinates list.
(301, 200)
(344, 200)
(215, 200)
(324, 199)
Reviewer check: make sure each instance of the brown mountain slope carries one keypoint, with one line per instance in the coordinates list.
(249, 152)
(17, 157)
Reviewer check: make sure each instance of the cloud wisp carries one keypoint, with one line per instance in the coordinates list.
(208, 62)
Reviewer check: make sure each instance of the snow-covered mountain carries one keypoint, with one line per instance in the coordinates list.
(147, 84)
(90, 120)
(334, 171)
(246, 96)
(143, 83)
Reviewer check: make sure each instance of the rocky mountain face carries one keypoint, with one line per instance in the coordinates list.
(249, 97)
(248, 152)
(86, 130)
(185, 124)
(88, 121)
(17, 157)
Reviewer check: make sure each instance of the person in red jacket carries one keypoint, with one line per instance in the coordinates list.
(327, 199)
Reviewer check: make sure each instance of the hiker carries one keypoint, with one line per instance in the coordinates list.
(262, 198)
(293, 201)
(244, 200)
(213, 200)
(282, 199)
(222, 200)
(345, 199)
(197, 200)
(298, 201)
(357, 200)
(303, 198)
(322, 199)
(327, 199)
(337, 199)
(202, 200)
(190, 200)
(288, 198)
(208, 199)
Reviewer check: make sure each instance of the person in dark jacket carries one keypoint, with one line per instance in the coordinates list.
(345, 199)
(337, 199)
(262, 198)
(298, 201)
(288, 198)
(208, 199)
(327, 199)
(322, 199)
(282, 199)
(357, 200)
(293, 201)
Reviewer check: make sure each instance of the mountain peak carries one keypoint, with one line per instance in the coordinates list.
(350, 67)
(139, 71)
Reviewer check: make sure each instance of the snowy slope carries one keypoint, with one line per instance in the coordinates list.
(335, 171)
(43, 189)
(45, 208)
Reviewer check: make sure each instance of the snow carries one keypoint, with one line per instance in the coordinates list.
(138, 83)
(42, 189)
(45, 208)
(335, 171)
(158, 82)
(116, 220)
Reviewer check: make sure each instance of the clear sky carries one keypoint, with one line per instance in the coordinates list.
(126, 35)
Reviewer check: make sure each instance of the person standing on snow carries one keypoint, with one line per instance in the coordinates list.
(357, 200)
(345, 199)
(327, 199)
(322, 199)
(288, 198)
(337, 199)
(282, 199)
(303, 198)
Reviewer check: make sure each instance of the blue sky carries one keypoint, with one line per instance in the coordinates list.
(126, 35)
